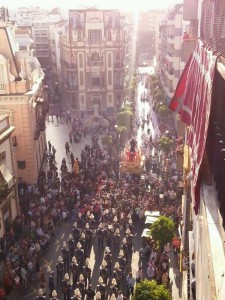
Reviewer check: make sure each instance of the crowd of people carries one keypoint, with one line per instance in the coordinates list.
(105, 208)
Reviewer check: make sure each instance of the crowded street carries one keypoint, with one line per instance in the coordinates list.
(87, 217)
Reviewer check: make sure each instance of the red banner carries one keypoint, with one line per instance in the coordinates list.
(192, 101)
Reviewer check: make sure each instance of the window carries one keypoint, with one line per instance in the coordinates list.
(79, 36)
(110, 78)
(110, 100)
(109, 60)
(109, 35)
(72, 79)
(80, 60)
(21, 164)
(95, 59)
(81, 78)
(96, 99)
(94, 36)
(95, 79)
(117, 78)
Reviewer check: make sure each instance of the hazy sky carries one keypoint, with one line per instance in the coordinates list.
(125, 5)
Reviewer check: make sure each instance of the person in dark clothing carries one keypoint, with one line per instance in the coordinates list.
(88, 238)
(122, 262)
(51, 283)
(67, 147)
(117, 274)
(49, 146)
(59, 269)
(101, 288)
(72, 159)
(116, 240)
(103, 272)
(71, 245)
(108, 259)
(66, 256)
(81, 286)
(40, 296)
(100, 235)
(113, 288)
(77, 295)
(66, 287)
(76, 233)
(54, 295)
(74, 269)
(79, 254)
(90, 293)
(87, 273)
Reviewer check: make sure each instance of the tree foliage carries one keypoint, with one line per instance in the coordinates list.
(121, 129)
(159, 96)
(163, 110)
(124, 118)
(162, 230)
(150, 290)
(107, 140)
(165, 144)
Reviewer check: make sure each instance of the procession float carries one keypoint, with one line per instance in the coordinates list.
(131, 159)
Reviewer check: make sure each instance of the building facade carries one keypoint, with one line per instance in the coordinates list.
(203, 223)
(147, 34)
(9, 205)
(23, 98)
(56, 31)
(169, 60)
(38, 20)
(92, 55)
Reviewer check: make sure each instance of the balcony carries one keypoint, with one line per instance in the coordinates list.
(6, 182)
(2, 88)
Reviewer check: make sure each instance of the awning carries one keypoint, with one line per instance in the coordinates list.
(6, 174)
